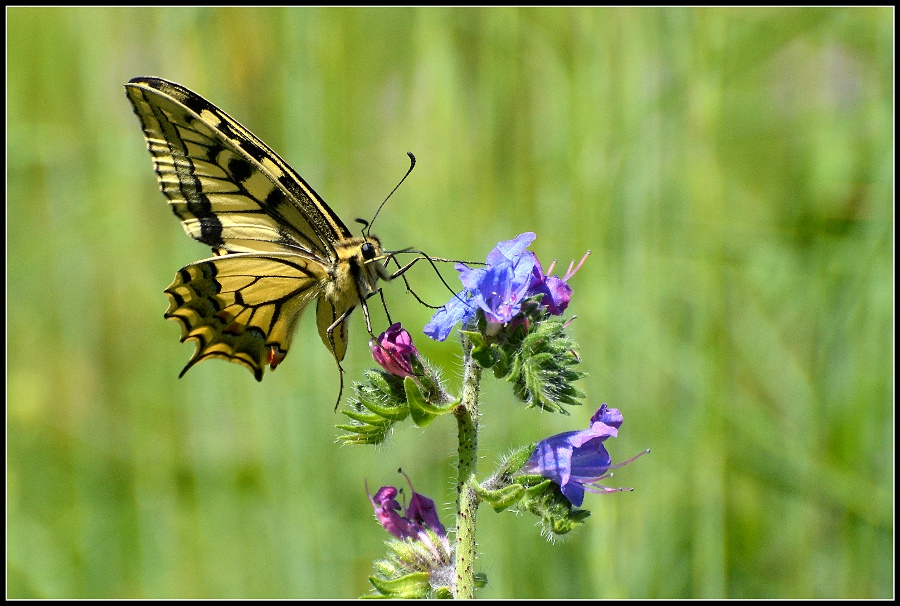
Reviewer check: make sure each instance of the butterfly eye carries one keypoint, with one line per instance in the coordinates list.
(368, 251)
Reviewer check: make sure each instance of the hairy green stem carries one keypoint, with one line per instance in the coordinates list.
(467, 501)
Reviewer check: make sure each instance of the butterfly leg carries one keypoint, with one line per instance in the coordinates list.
(402, 270)
(365, 308)
(338, 362)
(409, 289)
(329, 332)
(341, 388)
(384, 304)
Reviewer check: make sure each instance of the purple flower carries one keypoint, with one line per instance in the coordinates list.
(422, 512)
(394, 350)
(556, 291)
(421, 546)
(419, 515)
(577, 460)
(387, 511)
(512, 274)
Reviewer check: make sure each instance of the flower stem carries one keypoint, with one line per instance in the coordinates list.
(467, 501)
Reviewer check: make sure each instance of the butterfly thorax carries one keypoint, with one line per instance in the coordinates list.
(356, 269)
(352, 278)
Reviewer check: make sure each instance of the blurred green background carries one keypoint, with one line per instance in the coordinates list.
(731, 170)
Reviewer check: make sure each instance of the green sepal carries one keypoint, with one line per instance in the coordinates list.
(535, 485)
(363, 429)
(359, 438)
(378, 403)
(390, 412)
(384, 395)
(383, 382)
(415, 400)
(516, 460)
(544, 498)
(427, 405)
(502, 367)
(483, 352)
(411, 586)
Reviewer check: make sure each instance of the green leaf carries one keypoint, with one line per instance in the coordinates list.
(422, 411)
(389, 410)
(476, 338)
(417, 405)
(362, 429)
(367, 418)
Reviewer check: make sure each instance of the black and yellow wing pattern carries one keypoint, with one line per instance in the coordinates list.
(277, 246)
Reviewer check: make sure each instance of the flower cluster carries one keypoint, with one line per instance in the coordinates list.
(512, 274)
(421, 560)
(510, 312)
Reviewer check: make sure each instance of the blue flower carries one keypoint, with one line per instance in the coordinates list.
(577, 460)
(499, 288)
(419, 515)
(511, 275)
(458, 309)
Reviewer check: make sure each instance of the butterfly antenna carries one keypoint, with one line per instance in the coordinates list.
(412, 164)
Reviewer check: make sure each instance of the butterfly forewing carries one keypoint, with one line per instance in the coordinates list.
(230, 190)
(278, 246)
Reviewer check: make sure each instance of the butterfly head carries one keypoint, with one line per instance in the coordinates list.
(371, 257)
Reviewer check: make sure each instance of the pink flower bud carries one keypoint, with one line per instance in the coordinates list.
(394, 351)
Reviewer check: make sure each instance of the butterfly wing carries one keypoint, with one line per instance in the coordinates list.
(279, 245)
(243, 307)
(230, 190)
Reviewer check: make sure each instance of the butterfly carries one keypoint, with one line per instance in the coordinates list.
(277, 246)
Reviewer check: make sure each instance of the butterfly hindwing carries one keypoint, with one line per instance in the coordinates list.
(242, 307)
